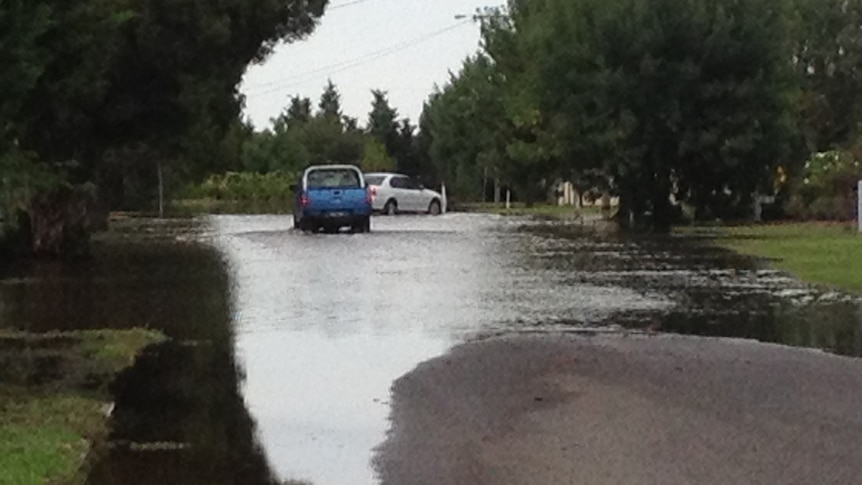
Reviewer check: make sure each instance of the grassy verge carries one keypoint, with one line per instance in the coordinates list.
(825, 254)
(519, 209)
(193, 207)
(53, 393)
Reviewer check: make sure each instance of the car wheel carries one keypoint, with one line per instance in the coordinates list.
(434, 208)
(391, 208)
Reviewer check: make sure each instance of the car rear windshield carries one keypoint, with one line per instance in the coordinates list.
(334, 177)
(374, 179)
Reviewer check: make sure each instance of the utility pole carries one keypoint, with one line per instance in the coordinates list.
(161, 190)
(859, 205)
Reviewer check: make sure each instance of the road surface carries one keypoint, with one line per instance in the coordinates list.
(557, 409)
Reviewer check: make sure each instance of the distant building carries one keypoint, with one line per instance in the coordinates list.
(567, 194)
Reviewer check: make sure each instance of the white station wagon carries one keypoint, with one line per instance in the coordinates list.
(393, 193)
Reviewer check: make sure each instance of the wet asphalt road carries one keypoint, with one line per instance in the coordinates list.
(555, 409)
(326, 323)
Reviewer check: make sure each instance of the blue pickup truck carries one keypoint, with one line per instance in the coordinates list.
(330, 197)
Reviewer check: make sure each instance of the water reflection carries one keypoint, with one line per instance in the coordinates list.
(714, 292)
(134, 282)
(178, 415)
(180, 419)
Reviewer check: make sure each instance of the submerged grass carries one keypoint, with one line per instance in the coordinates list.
(47, 427)
(116, 350)
(820, 253)
(520, 209)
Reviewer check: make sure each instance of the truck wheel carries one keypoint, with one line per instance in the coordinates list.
(363, 226)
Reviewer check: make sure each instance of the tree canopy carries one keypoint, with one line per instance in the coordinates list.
(330, 104)
(665, 102)
(115, 85)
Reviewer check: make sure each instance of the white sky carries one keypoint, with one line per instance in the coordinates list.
(347, 47)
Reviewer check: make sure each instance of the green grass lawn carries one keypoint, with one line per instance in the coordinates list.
(826, 254)
(193, 207)
(46, 431)
(44, 439)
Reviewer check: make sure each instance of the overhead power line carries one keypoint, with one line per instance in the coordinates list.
(291, 81)
(346, 4)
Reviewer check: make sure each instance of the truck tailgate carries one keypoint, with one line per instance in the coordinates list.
(351, 200)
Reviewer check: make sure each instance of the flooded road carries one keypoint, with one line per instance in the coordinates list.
(325, 324)
(286, 345)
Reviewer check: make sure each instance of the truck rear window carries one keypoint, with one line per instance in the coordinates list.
(332, 178)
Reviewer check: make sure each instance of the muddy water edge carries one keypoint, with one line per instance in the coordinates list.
(178, 416)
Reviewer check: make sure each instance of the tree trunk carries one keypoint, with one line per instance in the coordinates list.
(61, 222)
(662, 216)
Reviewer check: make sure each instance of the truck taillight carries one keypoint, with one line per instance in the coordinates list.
(303, 200)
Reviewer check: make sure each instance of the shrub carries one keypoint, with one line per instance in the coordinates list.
(827, 190)
(244, 186)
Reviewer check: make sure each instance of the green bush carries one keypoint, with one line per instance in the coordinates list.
(244, 186)
(827, 190)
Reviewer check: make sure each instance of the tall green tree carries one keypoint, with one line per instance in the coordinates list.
(826, 55)
(661, 101)
(70, 51)
(180, 68)
(23, 57)
(422, 149)
(383, 122)
(350, 123)
(466, 129)
(108, 78)
(327, 142)
(687, 99)
(405, 149)
(329, 107)
(295, 115)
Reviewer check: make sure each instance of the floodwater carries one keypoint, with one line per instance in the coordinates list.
(286, 344)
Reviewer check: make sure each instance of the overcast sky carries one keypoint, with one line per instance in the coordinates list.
(400, 46)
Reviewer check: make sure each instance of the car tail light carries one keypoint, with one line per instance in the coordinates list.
(303, 200)
(369, 194)
(374, 191)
